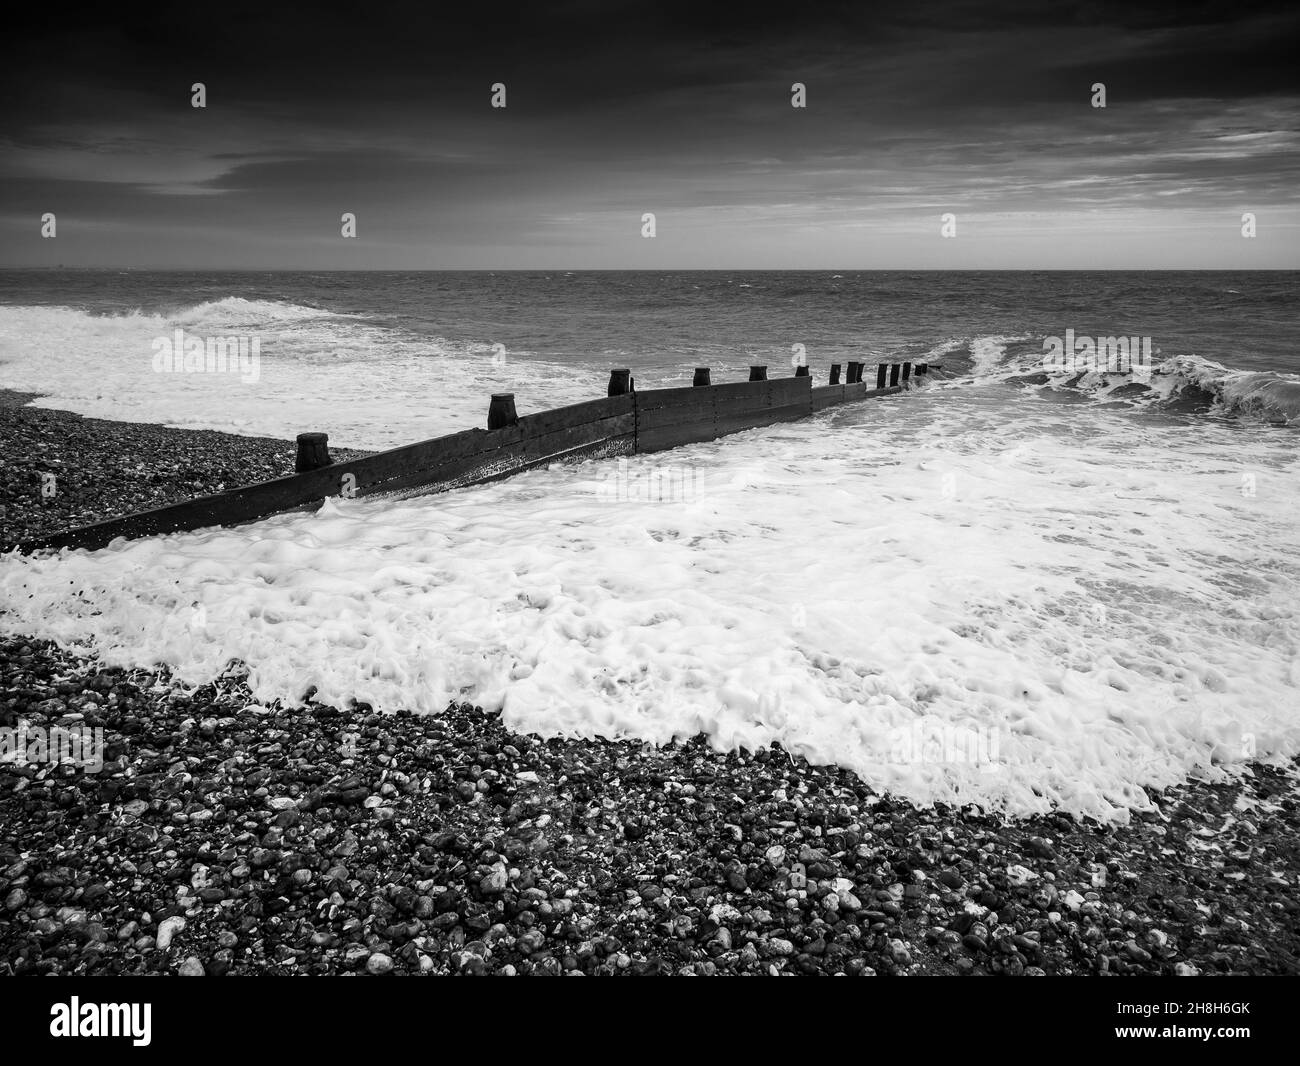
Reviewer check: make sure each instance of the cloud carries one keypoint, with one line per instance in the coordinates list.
(618, 109)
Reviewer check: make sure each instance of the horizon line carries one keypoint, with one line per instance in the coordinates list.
(657, 270)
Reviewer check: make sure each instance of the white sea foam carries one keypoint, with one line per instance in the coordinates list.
(1183, 382)
(945, 347)
(1273, 396)
(365, 385)
(1098, 599)
(987, 352)
(232, 312)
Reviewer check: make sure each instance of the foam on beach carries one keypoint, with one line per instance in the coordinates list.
(367, 385)
(962, 598)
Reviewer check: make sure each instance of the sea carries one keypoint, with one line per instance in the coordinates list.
(1012, 586)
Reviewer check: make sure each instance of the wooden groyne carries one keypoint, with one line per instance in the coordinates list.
(625, 422)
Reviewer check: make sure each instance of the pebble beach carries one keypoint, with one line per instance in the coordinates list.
(225, 836)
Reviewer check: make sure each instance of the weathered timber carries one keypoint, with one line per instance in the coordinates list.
(501, 411)
(313, 452)
(590, 429)
(827, 396)
(753, 404)
(666, 418)
(620, 424)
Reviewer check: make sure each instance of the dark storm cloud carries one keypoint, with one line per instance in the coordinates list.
(265, 54)
(616, 108)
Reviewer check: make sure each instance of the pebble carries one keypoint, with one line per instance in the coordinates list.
(421, 853)
(379, 964)
(494, 882)
(167, 930)
(1040, 847)
(1136, 953)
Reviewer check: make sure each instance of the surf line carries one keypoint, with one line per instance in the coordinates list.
(1084, 354)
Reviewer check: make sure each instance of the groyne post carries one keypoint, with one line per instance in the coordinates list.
(501, 411)
(313, 452)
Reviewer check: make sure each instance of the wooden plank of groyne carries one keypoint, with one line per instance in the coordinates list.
(598, 427)
(577, 414)
(791, 398)
(614, 425)
(790, 392)
(574, 441)
(741, 390)
(516, 448)
(766, 402)
(658, 438)
(666, 418)
(674, 407)
(741, 406)
(372, 474)
(739, 397)
(827, 396)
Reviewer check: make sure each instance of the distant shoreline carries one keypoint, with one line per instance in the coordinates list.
(653, 270)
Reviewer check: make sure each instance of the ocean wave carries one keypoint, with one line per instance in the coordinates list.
(230, 312)
(1192, 384)
(1263, 393)
(948, 346)
(1188, 384)
(235, 311)
(367, 385)
(987, 353)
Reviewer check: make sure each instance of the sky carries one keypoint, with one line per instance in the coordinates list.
(981, 110)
